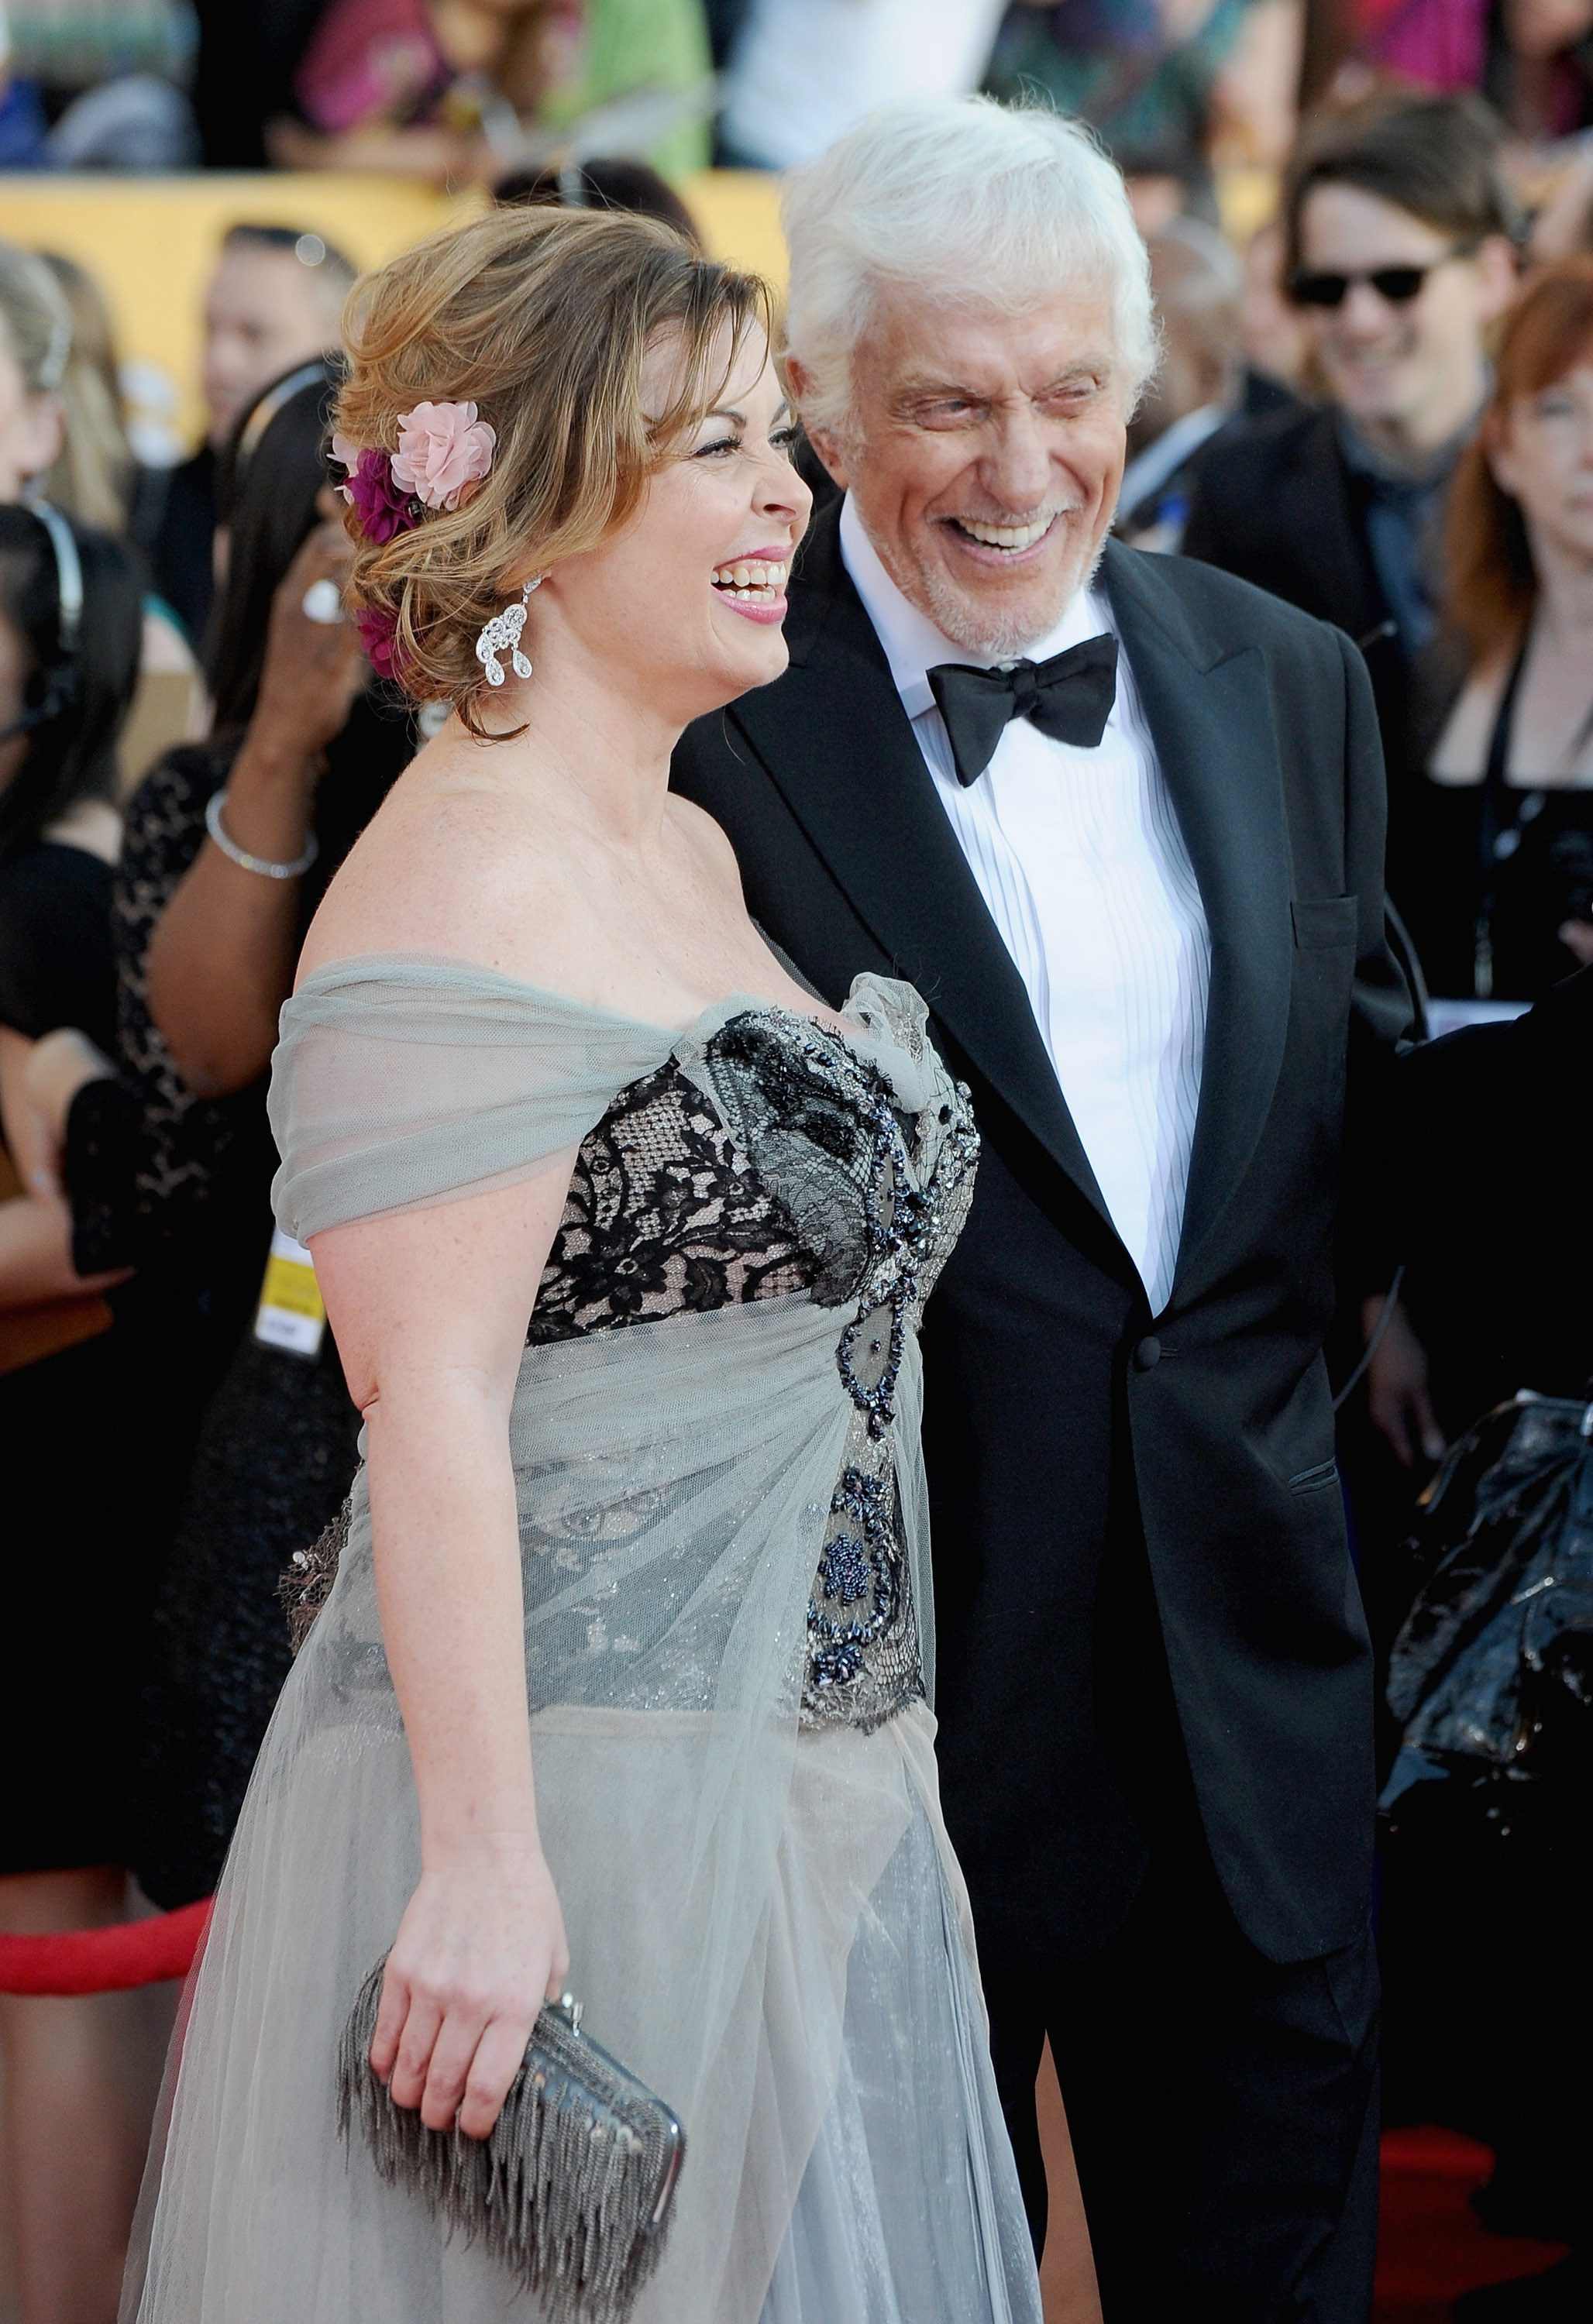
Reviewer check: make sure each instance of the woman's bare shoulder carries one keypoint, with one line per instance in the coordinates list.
(460, 869)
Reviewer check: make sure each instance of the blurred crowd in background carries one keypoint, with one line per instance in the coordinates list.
(1370, 224)
(458, 91)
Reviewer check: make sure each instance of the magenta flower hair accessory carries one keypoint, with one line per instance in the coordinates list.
(378, 636)
(443, 453)
(384, 508)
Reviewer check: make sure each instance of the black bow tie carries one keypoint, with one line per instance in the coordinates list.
(1069, 697)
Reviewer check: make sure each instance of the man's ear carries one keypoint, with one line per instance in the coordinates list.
(823, 442)
(1498, 275)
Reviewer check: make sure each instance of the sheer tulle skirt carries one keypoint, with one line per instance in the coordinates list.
(907, 2208)
(909, 2211)
(766, 1923)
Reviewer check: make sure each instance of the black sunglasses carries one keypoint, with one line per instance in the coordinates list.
(1396, 284)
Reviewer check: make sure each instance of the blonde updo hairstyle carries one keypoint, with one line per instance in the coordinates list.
(542, 318)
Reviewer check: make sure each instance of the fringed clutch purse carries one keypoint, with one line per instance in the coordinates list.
(570, 2190)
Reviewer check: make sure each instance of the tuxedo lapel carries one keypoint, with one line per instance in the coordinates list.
(1211, 719)
(836, 740)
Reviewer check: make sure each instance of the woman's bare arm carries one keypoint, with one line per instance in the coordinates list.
(430, 1309)
(221, 957)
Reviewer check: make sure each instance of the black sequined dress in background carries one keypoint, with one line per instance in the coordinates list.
(179, 1186)
(73, 1557)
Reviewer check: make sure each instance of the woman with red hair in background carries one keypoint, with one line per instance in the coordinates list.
(1491, 845)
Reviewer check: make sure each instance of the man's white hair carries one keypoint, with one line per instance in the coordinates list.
(969, 203)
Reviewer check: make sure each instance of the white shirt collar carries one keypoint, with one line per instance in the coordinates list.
(912, 644)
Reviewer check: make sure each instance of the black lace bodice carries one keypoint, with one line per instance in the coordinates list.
(665, 1213)
(773, 1158)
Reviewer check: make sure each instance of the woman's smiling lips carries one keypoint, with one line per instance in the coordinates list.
(754, 585)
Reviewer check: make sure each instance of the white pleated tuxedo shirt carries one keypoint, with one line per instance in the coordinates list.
(1080, 861)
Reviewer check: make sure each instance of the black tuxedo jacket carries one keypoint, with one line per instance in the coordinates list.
(1061, 1415)
(1277, 503)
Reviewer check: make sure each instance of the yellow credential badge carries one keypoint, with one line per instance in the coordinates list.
(291, 1313)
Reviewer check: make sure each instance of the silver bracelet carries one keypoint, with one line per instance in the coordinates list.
(241, 855)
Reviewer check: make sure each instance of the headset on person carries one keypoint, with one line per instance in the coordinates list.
(61, 686)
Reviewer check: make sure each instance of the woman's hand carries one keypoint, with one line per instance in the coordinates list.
(1577, 936)
(1399, 1399)
(58, 1066)
(221, 956)
(479, 1949)
(313, 670)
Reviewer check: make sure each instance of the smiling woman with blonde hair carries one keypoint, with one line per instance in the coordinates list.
(623, 1237)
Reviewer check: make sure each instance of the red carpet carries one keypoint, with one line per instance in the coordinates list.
(104, 1960)
(1432, 2246)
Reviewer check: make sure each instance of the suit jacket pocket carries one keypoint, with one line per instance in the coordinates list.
(1324, 922)
(1312, 1480)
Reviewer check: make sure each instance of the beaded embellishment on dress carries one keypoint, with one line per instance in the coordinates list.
(881, 1198)
(862, 1656)
(307, 1581)
(799, 1175)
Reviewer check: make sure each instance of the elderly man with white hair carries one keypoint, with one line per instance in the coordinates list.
(1120, 819)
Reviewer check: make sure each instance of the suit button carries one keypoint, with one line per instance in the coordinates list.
(1148, 1353)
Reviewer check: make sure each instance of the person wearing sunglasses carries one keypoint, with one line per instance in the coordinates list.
(1398, 229)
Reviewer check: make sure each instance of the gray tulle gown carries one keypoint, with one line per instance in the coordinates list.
(728, 1656)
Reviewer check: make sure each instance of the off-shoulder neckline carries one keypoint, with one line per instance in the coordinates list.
(354, 967)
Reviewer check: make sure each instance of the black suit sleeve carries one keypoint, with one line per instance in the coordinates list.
(1383, 1004)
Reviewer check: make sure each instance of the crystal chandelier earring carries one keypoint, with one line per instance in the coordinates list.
(501, 635)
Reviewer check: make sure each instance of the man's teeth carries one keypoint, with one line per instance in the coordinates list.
(751, 580)
(1005, 536)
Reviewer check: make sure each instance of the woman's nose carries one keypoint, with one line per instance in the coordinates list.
(781, 492)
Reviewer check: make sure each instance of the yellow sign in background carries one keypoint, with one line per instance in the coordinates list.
(151, 243)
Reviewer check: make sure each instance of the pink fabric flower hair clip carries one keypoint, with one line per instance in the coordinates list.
(444, 452)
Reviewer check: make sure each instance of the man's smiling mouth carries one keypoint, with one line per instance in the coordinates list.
(1012, 537)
